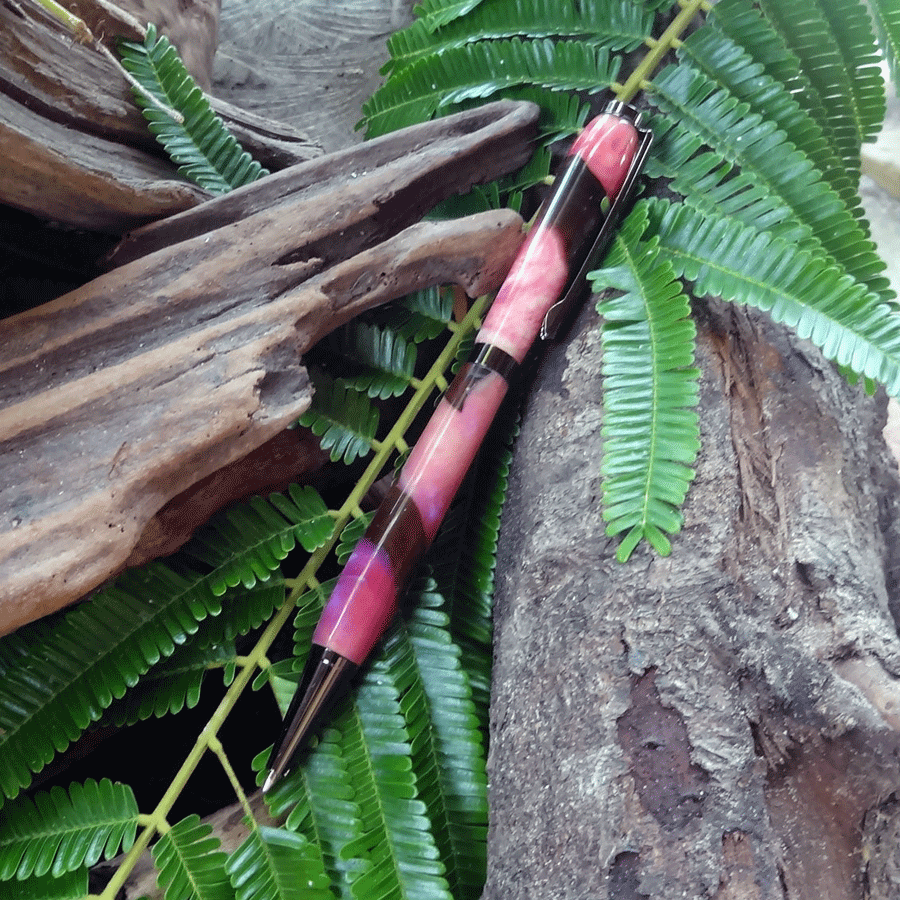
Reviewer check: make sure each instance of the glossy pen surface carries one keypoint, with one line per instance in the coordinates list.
(364, 598)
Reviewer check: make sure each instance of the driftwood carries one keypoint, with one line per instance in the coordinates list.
(724, 723)
(74, 145)
(118, 396)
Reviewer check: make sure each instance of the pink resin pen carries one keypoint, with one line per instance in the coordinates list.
(546, 280)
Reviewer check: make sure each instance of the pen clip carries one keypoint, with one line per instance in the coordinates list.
(574, 292)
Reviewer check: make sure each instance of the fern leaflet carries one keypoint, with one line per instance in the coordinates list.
(617, 24)
(90, 656)
(853, 327)
(191, 865)
(479, 70)
(343, 419)
(69, 886)
(823, 35)
(887, 21)
(250, 540)
(775, 180)
(202, 146)
(58, 832)
(277, 864)
(436, 13)
(650, 432)
(388, 360)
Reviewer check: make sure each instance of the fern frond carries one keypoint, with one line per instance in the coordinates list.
(343, 419)
(248, 542)
(69, 886)
(741, 68)
(833, 42)
(650, 431)
(89, 657)
(387, 359)
(191, 866)
(204, 149)
(420, 316)
(723, 258)
(887, 24)
(320, 797)
(170, 686)
(449, 758)
(58, 832)
(277, 864)
(476, 71)
(397, 839)
(436, 13)
(775, 182)
(616, 24)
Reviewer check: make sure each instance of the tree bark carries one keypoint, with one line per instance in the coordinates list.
(722, 723)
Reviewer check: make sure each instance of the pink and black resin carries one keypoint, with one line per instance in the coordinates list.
(364, 599)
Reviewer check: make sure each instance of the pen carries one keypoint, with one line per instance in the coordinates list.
(546, 281)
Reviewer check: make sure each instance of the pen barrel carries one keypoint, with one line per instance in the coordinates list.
(365, 597)
(563, 233)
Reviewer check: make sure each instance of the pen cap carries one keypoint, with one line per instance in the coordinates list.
(611, 152)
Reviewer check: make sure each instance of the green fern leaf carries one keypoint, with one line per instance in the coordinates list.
(58, 832)
(70, 886)
(837, 53)
(436, 13)
(741, 68)
(248, 542)
(853, 327)
(320, 797)
(775, 182)
(387, 359)
(170, 686)
(202, 146)
(191, 865)
(616, 24)
(420, 316)
(650, 432)
(396, 841)
(277, 864)
(449, 757)
(176, 682)
(343, 419)
(479, 70)
(887, 22)
(89, 657)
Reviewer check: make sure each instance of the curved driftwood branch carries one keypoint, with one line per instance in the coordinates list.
(118, 396)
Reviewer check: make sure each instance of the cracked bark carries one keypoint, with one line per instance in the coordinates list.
(722, 723)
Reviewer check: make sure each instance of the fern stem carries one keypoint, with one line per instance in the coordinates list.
(216, 746)
(77, 26)
(659, 48)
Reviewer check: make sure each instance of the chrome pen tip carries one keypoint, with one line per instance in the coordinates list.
(271, 778)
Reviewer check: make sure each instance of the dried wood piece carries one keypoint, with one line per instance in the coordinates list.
(120, 395)
(291, 456)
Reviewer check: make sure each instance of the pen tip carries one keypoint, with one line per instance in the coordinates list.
(270, 780)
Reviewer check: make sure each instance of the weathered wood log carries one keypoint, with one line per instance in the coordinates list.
(722, 723)
(74, 145)
(118, 396)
